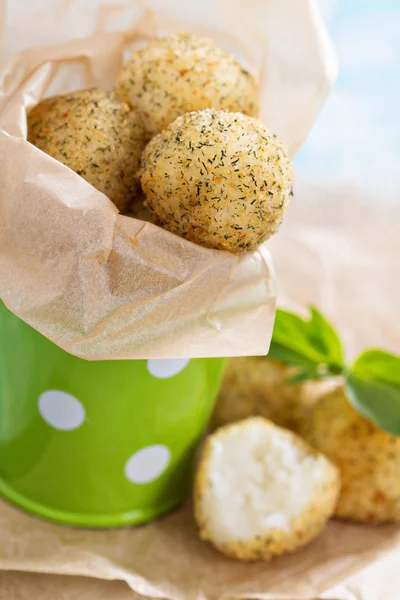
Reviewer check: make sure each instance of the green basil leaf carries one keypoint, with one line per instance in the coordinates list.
(376, 400)
(324, 336)
(291, 331)
(378, 364)
(314, 339)
(289, 357)
(303, 376)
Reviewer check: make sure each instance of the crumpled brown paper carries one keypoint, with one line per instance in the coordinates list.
(336, 234)
(68, 265)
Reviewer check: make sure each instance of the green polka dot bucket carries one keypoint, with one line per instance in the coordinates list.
(102, 443)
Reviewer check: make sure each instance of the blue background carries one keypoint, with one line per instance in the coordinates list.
(357, 135)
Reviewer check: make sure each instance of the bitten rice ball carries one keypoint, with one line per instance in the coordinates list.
(368, 459)
(261, 491)
(96, 135)
(258, 386)
(180, 73)
(218, 178)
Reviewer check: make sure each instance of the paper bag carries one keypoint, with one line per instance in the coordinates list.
(68, 266)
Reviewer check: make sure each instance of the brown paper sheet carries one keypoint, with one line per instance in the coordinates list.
(166, 559)
(36, 586)
(68, 266)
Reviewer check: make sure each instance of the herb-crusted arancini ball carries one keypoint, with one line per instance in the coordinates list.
(180, 73)
(96, 135)
(368, 459)
(218, 178)
(261, 491)
(258, 386)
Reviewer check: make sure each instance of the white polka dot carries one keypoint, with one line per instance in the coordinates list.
(164, 368)
(61, 410)
(147, 464)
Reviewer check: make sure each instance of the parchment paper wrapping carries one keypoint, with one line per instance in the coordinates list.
(342, 254)
(68, 265)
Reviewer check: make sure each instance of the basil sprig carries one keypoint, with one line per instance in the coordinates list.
(372, 383)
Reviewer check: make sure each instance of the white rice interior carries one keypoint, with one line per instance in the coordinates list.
(258, 481)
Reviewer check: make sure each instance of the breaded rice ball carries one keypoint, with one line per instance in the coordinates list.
(258, 386)
(180, 73)
(218, 178)
(368, 459)
(261, 491)
(96, 135)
